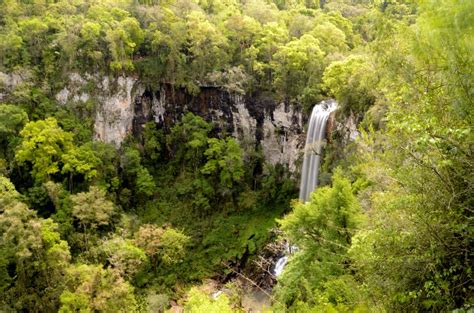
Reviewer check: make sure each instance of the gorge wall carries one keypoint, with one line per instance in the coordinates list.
(125, 105)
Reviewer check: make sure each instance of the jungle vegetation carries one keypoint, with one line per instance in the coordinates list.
(87, 227)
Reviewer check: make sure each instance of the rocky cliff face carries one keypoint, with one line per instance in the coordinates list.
(125, 105)
(115, 111)
(257, 122)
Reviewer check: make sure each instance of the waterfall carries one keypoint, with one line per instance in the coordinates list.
(312, 149)
(310, 169)
(280, 265)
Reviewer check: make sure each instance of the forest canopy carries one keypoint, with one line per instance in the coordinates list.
(142, 226)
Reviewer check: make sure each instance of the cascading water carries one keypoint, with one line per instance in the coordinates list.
(312, 158)
(313, 147)
(280, 265)
(283, 259)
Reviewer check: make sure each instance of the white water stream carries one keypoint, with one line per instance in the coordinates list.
(312, 158)
(312, 150)
(280, 265)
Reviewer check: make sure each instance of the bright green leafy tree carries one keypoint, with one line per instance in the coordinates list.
(224, 159)
(199, 301)
(43, 145)
(322, 230)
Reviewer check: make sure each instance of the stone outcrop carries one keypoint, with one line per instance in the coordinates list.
(254, 120)
(124, 105)
(113, 121)
(114, 111)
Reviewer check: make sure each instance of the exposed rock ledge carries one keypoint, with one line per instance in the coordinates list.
(125, 105)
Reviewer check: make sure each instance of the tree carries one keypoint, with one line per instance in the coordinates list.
(242, 32)
(442, 46)
(148, 238)
(123, 256)
(139, 175)
(12, 119)
(204, 40)
(11, 44)
(322, 230)
(110, 31)
(33, 32)
(81, 160)
(145, 183)
(8, 193)
(351, 82)
(91, 288)
(43, 144)
(298, 68)
(224, 160)
(33, 259)
(264, 12)
(95, 161)
(198, 302)
(332, 40)
(300, 23)
(92, 209)
(412, 255)
(188, 140)
(167, 245)
(272, 36)
(168, 40)
(173, 246)
(153, 140)
(123, 37)
(90, 44)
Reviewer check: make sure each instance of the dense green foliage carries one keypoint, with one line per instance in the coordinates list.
(87, 227)
(109, 232)
(200, 302)
(244, 47)
(412, 177)
(322, 229)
